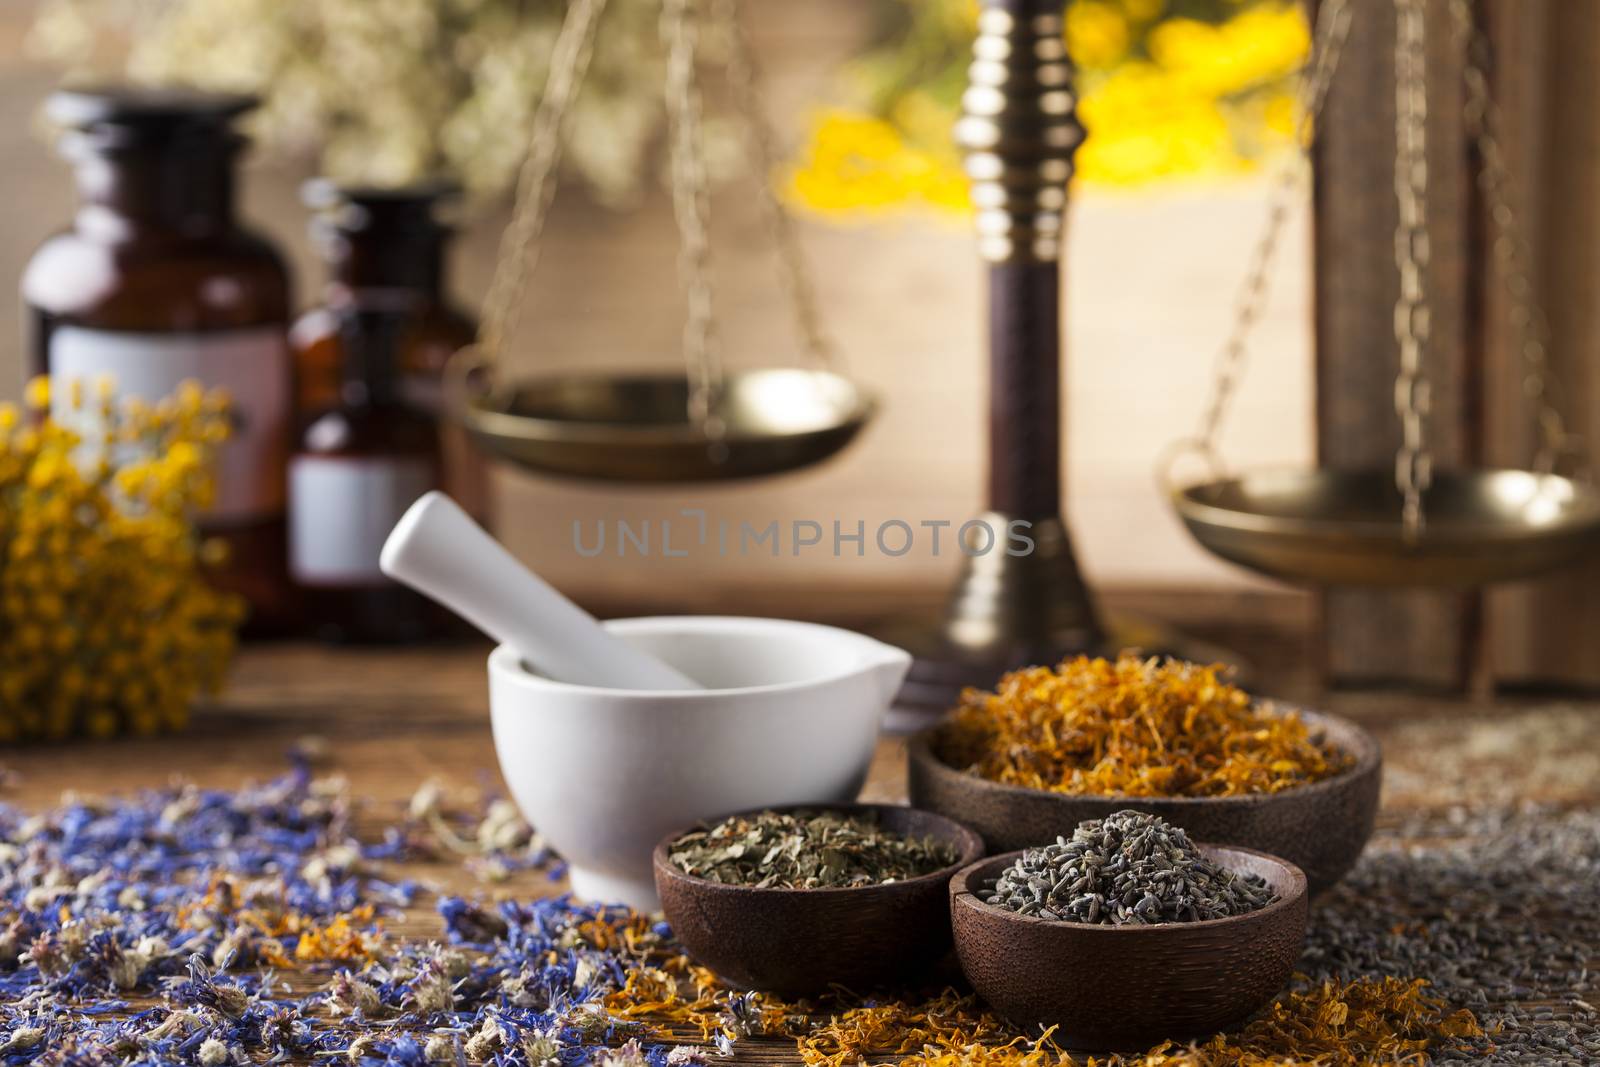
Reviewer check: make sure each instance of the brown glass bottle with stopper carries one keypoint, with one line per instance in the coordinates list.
(157, 282)
(360, 464)
(383, 245)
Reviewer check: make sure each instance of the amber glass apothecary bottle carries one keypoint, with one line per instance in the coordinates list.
(157, 282)
(383, 246)
(361, 462)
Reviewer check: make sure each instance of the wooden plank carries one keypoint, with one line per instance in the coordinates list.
(1546, 74)
(1420, 638)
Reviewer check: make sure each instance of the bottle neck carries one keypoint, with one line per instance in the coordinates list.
(370, 345)
(182, 187)
(411, 261)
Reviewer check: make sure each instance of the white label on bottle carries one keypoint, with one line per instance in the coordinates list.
(252, 365)
(341, 509)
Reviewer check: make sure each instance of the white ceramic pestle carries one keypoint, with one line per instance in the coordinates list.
(439, 551)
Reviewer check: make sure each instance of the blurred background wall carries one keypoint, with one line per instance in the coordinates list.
(1152, 275)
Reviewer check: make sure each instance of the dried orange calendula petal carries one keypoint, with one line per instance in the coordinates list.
(1133, 727)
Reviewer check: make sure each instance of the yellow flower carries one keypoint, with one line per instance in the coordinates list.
(1097, 33)
(1143, 10)
(856, 163)
(1141, 125)
(37, 393)
(110, 624)
(1260, 45)
(1281, 113)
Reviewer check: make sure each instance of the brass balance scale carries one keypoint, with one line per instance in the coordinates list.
(1412, 526)
(710, 423)
(1020, 132)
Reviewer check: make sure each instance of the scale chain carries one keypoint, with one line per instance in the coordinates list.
(1328, 40)
(1412, 390)
(536, 182)
(1512, 254)
(680, 32)
(794, 276)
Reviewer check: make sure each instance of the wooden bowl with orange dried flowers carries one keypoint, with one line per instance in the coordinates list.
(1050, 748)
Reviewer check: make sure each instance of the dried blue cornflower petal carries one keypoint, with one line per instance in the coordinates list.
(404, 1051)
(24, 1037)
(194, 897)
(741, 1014)
(202, 989)
(470, 922)
(283, 1032)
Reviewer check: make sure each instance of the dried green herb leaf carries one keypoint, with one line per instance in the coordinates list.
(807, 850)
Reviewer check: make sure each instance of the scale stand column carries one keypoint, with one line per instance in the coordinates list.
(1019, 129)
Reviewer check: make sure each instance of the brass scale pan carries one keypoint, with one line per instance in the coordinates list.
(1333, 527)
(636, 427)
(1330, 527)
(647, 427)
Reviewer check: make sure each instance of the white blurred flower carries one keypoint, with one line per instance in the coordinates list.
(386, 93)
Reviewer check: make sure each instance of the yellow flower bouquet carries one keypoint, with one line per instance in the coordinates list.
(1166, 89)
(109, 624)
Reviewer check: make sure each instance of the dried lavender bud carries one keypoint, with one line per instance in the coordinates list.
(807, 850)
(1126, 869)
(1496, 906)
(1493, 907)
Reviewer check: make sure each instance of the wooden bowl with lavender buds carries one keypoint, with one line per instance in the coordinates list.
(1321, 826)
(800, 941)
(1118, 988)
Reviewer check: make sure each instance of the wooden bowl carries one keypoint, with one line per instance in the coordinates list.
(1113, 988)
(801, 941)
(1321, 827)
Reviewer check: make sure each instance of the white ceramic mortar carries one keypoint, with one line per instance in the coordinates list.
(790, 715)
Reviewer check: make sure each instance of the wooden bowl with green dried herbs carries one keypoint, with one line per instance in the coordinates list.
(794, 900)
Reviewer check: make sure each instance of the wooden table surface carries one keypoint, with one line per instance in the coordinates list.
(394, 717)
(388, 721)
